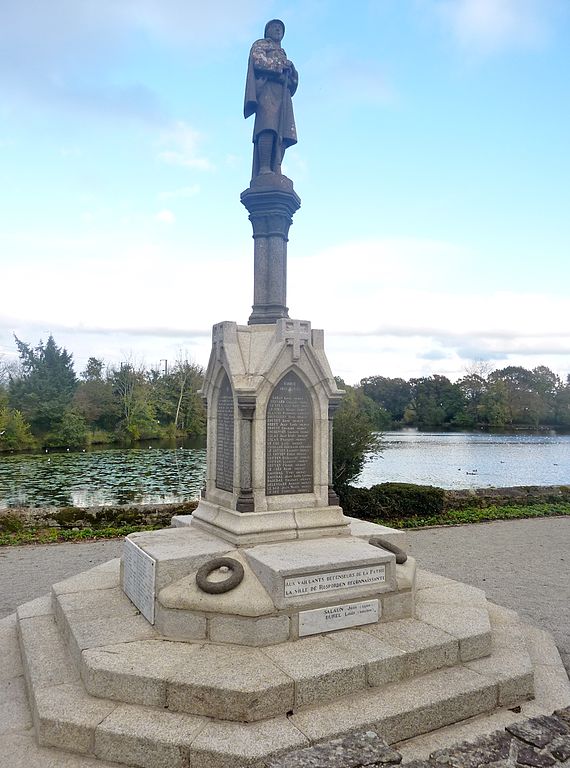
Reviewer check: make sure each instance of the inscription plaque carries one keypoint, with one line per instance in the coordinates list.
(325, 582)
(225, 437)
(338, 617)
(139, 571)
(289, 438)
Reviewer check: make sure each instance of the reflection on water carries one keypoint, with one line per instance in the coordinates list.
(102, 477)
(160, 475)
(470, 460)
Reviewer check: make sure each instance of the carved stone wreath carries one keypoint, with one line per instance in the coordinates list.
(234, 578)
(379, 541)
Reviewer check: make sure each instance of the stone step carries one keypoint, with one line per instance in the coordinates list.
(66, 716)
(121, 657)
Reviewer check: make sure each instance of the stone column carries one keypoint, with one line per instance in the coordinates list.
(205, 486)
(333, 498)
(271, 202)
(246, 409)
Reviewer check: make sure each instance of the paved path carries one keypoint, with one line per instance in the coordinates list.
(522, 564)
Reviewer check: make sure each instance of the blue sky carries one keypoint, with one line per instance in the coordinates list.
(433, 166)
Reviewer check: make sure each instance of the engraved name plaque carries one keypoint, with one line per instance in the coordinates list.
(338, 617)
(139, 578)
(325, 582)
(225, 438)
(289, 438)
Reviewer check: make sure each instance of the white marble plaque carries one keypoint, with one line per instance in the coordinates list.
(338, 617)
(139, 578)
(324, 582)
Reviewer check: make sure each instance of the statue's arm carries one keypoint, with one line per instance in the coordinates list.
(267, 60)
(293, 79)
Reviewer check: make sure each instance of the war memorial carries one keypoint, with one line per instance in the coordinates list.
(268, 620)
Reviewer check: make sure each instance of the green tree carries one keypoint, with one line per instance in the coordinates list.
(176, 400)
(473, 388)
(132, 392)
(435, 401)
(45, 386)
(562, 404)
(71, 433)
(546, 385)
(494, 407)
(355, 440)
(94, 399)
(15, 433)
(391, 394)
(523, 404)
(93, 370)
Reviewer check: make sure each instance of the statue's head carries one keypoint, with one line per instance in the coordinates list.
(274, 30)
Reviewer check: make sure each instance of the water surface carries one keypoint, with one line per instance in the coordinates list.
(102, 477)
(470, 459)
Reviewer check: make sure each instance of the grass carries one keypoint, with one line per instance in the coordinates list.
(57, 535)
(453, 517)
(478, 515)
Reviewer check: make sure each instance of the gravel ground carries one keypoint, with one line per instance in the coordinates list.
(521, 564)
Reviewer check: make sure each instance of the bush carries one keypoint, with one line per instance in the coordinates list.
(355, 439)
(393, 501)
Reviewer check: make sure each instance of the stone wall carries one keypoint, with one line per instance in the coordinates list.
(502, 497)
(27, 518)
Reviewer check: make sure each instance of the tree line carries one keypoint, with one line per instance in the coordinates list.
(506, 397)
(44, 404)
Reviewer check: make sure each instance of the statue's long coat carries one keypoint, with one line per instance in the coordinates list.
(267, 98)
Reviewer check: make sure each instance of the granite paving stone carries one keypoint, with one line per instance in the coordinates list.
(97, 603)
(46, 659)
(103, 576)
(539, 731)
(365, 748)
(10, 660)
(25, 753)
(148, 738)
(529, 756)
(41, 606)
(322, 669)
(134, 672)
(487, 750)
(384, 663)
(560, 747)
(240, 745)
(14, 711)
(107, 630)
(242, 685)
(469, 624)
(66, 717)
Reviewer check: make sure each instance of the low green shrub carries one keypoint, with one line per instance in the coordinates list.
(10, 524)
(393, 501)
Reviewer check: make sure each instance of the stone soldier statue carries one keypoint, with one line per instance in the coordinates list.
(271, 81)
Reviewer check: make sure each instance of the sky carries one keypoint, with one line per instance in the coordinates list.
(433, 166)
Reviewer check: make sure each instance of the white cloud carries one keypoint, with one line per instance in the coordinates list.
(379, 302)
(488, 26)
(165, 217)
(181, 142)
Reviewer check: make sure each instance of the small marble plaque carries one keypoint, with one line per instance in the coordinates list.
(338, 617)
(139, 571)
(324, 582)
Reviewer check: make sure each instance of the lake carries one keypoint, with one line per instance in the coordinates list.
(153, 474)
(150, 475)
(470, 459)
